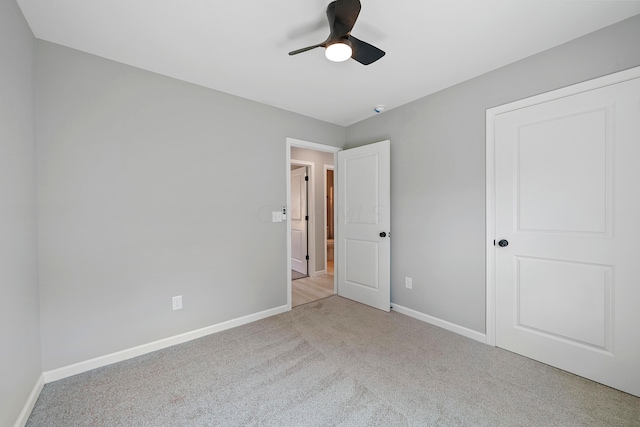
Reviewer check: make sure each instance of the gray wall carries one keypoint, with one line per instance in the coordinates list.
(438, 169)
(19, 318)
(319, 159)
(150, 187)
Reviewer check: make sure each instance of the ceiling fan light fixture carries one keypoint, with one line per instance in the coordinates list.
(339, 51)
(341, 45)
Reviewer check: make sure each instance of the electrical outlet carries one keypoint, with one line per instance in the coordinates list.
(408, 282)
(177, 302)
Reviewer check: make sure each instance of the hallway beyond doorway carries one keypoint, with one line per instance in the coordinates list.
(309, 289)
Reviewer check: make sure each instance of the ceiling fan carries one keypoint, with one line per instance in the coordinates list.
(341, 45)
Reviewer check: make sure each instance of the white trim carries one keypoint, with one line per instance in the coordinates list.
(292, 142)
(452, 327)
(129, 353)
(597, 83)
(336, 250)
(311, 209)
(30, 403)
(320, 273)
(490, 315)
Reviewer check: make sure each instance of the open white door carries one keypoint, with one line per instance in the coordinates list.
(567, 227)
(363, 225)
(298, 214)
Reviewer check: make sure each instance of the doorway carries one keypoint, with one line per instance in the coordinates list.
(361, 215)
(310, 280)
(317, 159)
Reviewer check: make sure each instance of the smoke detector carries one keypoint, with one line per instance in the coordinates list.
(379, 108)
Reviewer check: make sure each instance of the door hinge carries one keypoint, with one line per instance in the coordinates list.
(306, 217)
(306, 178)
(306, 257)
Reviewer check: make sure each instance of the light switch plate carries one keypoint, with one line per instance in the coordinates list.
(277, 216)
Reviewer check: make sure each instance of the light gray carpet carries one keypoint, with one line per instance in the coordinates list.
(332, 362)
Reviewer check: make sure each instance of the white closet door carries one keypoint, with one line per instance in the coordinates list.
(567, 201)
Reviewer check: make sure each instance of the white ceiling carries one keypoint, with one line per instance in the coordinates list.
(240, 47)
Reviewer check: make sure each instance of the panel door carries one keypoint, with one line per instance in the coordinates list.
(568, 203)
(363, 221)
(298, 214)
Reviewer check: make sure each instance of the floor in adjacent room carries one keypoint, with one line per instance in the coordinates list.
(310, 289)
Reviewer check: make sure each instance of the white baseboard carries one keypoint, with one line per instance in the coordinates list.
(319, 273)
(30, 403)
(461, 330)
(87, 365)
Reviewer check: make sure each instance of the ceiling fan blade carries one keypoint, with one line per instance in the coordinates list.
(304, 49)
(363, 52)
(346, 14)
(331, 16)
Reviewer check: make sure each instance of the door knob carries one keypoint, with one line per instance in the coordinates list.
(502, 243)
(383, 234)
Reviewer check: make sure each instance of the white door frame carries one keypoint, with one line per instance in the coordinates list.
(292, 142)
(328, 168)
(311, 236)
(490, 177)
